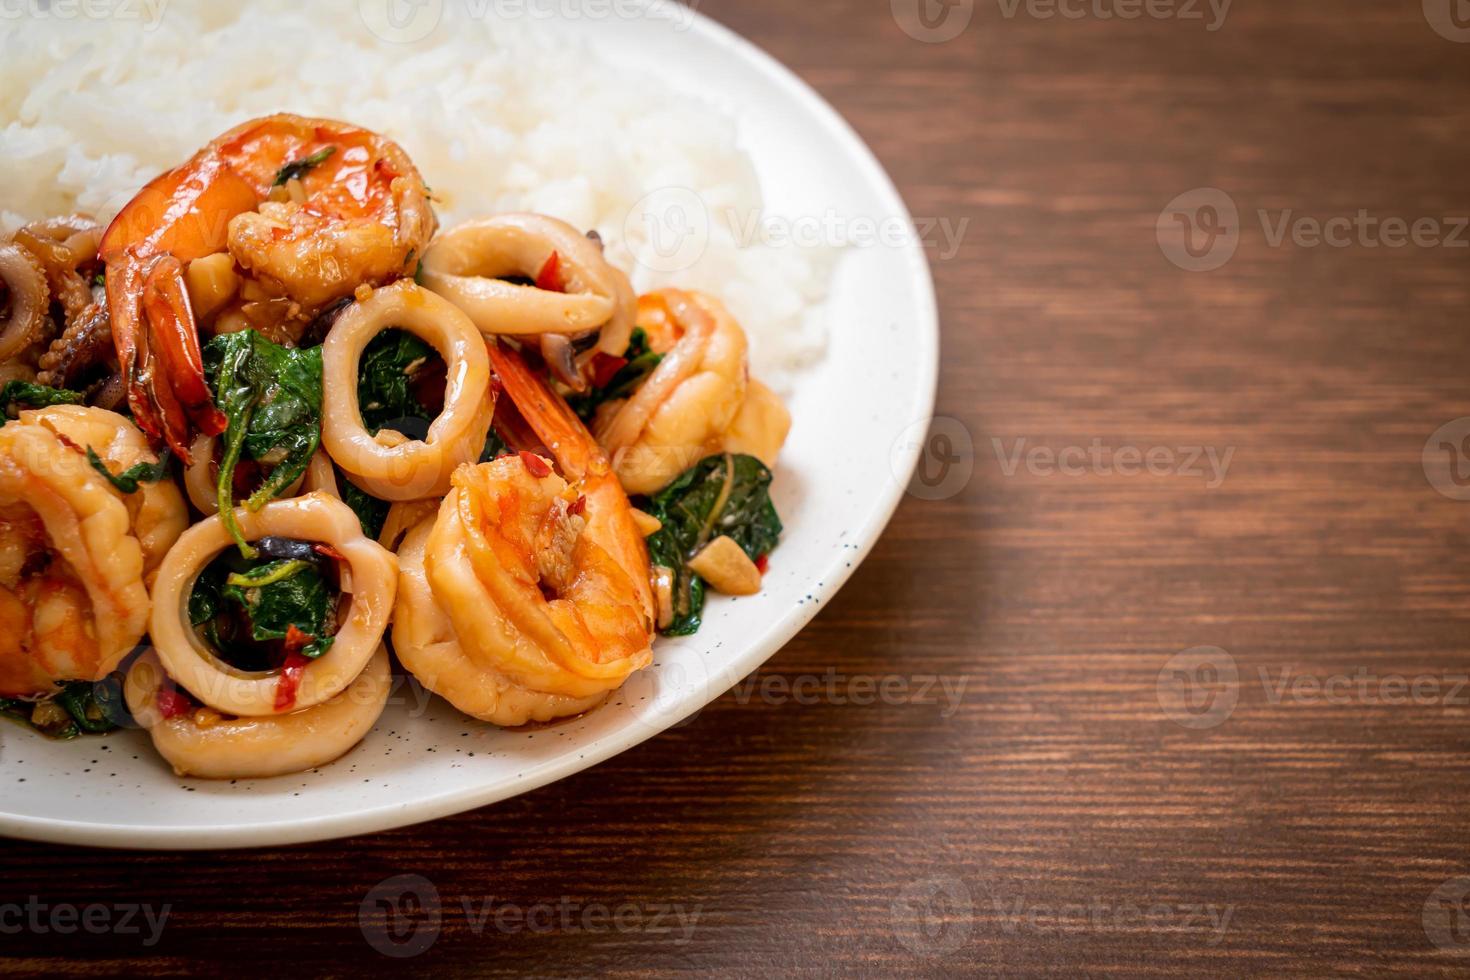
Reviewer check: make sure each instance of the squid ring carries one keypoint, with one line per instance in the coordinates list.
(428, 647)
(370, 576)
(156, 511)
(389, 465)
(200, 743)
(464, 265)
(202, 473)
(30, 298)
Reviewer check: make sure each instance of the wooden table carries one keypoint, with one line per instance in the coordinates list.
(1102, 795)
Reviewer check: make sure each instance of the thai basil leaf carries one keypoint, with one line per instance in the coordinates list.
(641, 363)
(242, 604)
(385, 381)
(371, 512)
(301, 598)
(297, 169)
(127, 481)
(78, 708)
(82, 701)
(720, 495)
(35, 396)
(272, 399)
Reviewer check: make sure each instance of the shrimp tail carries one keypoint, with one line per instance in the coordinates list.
(548, 414)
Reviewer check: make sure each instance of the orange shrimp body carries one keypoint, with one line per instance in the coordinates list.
(308, 209)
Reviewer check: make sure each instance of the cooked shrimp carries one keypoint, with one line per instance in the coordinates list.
(428, 646)
(683, 410)
(72, 598)
(24, 282)
(527, 596)
(369, 577)
(610, 521)
(576, 291)
(761, 427)
(353, 210)
(508, 581)
(157, 515)
(199, 741)
(390, 465)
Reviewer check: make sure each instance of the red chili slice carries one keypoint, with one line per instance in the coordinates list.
(578, 506)
(550, 275)
(292, 668)
(326, 551)
(171, 704)
(535, 465)
(605, 367)
(762, 563)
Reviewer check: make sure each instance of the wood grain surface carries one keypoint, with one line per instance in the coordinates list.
(1090, 797)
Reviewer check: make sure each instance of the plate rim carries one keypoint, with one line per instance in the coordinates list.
(904, 458)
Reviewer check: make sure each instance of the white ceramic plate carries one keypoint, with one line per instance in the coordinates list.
(859, 417)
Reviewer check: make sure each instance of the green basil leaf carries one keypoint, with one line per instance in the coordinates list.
(127, 481)
(297, 169)
(726, 495)
(272, 399)
(30, 395)
(385, 380)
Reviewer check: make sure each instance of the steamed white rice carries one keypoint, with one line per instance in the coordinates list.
(499, 115)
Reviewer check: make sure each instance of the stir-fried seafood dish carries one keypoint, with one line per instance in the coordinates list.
(270, 431)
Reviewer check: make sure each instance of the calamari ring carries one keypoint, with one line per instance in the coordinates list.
(88, 526)
(202, 473)
(371, 578)
(464, 265)
(200, 743)
(30, 298)
(428, 647)
(156, 511)
(389, 465)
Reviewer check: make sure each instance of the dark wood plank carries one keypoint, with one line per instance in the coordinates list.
(1054, 820)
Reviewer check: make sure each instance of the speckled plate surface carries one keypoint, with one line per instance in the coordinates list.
(859, 417)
